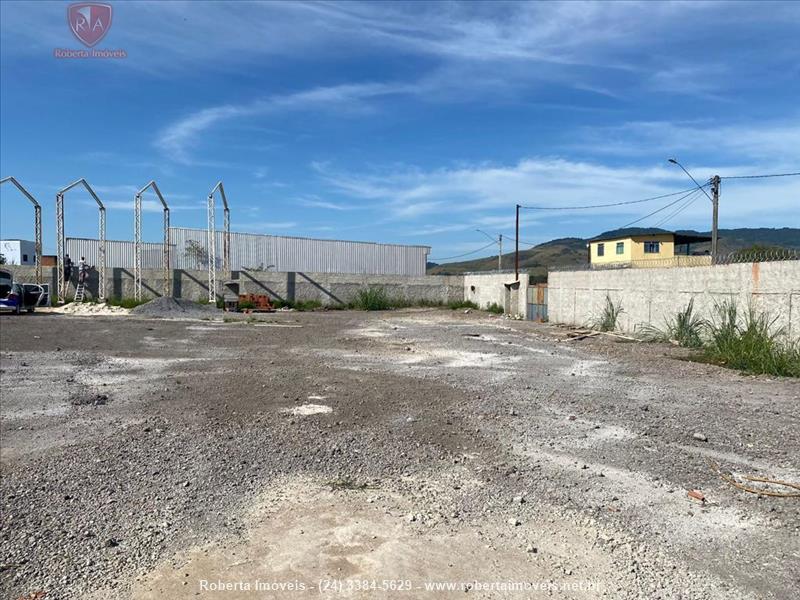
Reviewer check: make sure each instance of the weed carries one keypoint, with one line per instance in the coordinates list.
(374, 297)
(125, 302)
(750, 344)
(246, 305)
(307, 305)
(685, 328)
(299, 305)
(425, 303)
(278, 303)
(495, 308)
(609, 317)
(459, 304)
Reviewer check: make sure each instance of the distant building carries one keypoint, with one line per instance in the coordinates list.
(633, 247)
(18, 252)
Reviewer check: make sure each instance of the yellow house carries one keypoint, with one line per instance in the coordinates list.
(638, 246)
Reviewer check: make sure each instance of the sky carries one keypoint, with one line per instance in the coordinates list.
(413, 123)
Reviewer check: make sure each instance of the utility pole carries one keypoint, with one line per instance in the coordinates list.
(715, 181)
(714, 197)
(516, 251)
(500, 254)
(499, 242)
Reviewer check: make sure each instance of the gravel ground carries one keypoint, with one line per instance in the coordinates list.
(143, 457)
(175, 307)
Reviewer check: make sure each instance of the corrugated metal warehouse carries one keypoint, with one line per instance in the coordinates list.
(118, 253)
(267, 252)
(279, 253)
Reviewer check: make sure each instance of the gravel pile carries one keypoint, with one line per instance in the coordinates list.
(175, 308)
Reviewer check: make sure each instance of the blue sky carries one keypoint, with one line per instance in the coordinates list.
(403, 122)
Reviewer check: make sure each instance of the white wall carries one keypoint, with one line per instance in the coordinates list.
(485, 288)
(650, 296)
(18, 252)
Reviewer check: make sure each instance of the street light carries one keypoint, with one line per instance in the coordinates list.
(714, 203)
(499, 242)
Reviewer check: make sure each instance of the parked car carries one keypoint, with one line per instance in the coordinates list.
(16, 297)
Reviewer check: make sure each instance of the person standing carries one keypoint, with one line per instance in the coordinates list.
(83, 270)
(67, 268)
(67, 273)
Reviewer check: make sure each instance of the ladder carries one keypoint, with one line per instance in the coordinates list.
(79, 293)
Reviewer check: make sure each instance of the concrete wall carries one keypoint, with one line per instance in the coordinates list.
(650, 296)
(119, 282)
(500, 288)
(328, 288)
(331, 288)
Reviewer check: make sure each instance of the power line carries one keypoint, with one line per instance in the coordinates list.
(513, 239)
(761, 176)
(674, 202)
(677, 211)
(466, 253)
(680, 209)
(611, 204)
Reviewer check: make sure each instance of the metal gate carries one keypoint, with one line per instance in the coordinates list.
(537, 303)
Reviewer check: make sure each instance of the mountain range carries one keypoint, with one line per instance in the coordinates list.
(572, 250)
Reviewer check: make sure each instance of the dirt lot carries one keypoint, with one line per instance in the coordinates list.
(368, 455)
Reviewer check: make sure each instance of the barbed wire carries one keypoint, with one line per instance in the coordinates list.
(776, 254)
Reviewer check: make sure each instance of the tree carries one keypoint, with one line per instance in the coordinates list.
(197, 253)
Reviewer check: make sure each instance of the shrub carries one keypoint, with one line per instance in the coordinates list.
(750, 344)
(246, 305)
(495, 308)
(609, 317)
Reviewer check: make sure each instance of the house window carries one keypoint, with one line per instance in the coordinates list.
(24, 258)
(620, 247)
(601, 249)
(652, 247)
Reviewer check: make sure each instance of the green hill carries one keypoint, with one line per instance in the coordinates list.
(572, 251)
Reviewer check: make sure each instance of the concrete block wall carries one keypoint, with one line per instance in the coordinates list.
(481, 288)
(497, 288)
(119, 282)
(341, 288)
(651, 296)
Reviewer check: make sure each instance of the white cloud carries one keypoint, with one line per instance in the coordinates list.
(176, 138)
(485, 194)
(770, 145)
(314, 202)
